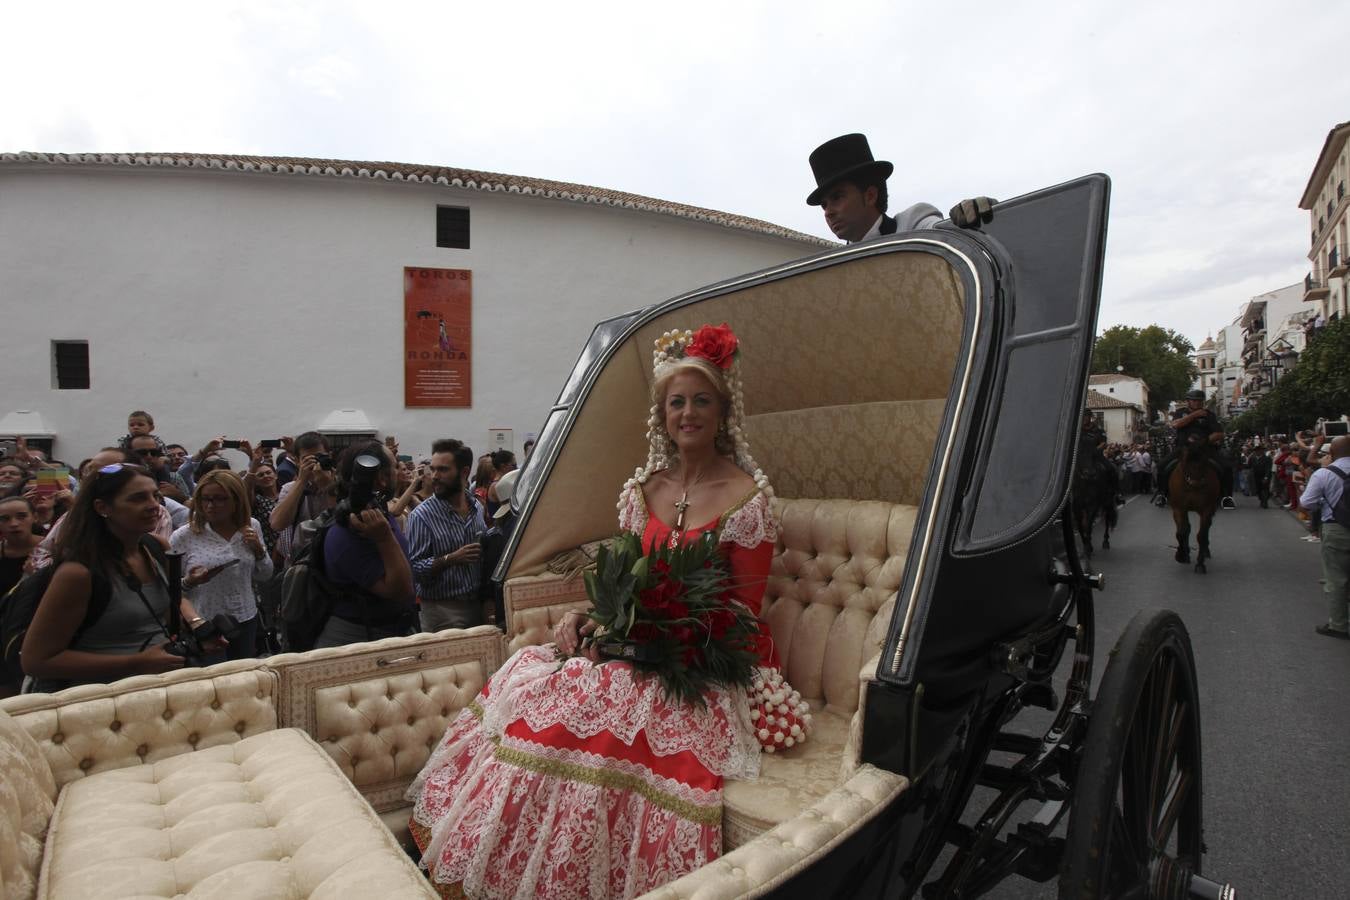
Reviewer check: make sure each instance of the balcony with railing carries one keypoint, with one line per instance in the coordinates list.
(1336, 265)
(1315, 285)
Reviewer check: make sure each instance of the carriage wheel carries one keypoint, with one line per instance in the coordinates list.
(1135, 826)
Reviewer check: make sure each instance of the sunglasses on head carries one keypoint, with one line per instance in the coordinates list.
(117, 467)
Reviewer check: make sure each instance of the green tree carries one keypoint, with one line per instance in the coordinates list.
(1158, 355)
(1317, 387)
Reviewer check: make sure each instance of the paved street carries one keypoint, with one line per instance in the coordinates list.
(1275, 696)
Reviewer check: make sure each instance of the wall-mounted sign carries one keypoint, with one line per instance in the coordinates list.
(501, 439)
(437, 337)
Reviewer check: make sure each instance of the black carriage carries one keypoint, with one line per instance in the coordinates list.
(915, 400)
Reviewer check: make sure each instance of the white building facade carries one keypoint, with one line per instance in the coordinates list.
(1126, 388)
(1272, 338)
(1206, 376)
(1327, 200)
(259, 297)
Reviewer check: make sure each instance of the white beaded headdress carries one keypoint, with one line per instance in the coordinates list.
(719, 347)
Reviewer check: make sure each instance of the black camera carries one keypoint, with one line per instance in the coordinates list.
(183, 642)
(359, 490)
(325, 461)
(190, 644)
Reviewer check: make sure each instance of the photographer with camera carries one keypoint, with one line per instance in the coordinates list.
(105, 613)
(365, 556)
(305, 498)
(223, 558)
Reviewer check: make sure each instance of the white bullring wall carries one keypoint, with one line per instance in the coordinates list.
(255, 304)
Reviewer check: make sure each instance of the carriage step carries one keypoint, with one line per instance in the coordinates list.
(1042, 696)
(1011, 742)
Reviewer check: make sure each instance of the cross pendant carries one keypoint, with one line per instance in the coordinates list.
(681, 505)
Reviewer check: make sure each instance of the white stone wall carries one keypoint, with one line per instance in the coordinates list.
(256, 304)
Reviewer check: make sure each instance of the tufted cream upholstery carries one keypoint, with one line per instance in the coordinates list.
(534, 603)
(27, 793)
(96, 728)
(269, 816)
(830, 594)
(378, 709)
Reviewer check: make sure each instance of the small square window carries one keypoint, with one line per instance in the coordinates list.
(452, 227)
(70, 365)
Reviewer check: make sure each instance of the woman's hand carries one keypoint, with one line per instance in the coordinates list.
(309, 465)
(252, 541)
(153, 660)
(570, 630)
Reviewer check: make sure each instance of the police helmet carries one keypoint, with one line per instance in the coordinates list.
(1195, 395)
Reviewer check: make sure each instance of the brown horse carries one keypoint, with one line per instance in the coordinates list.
(1193, 487)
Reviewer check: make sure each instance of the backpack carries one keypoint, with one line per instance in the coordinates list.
(18, 607)
(308, 597)
(1340, 513)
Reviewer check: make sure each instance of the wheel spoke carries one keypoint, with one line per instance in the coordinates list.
(1180, 792)
(1161, 716)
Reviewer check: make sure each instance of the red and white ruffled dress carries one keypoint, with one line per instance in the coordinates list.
(582, 780)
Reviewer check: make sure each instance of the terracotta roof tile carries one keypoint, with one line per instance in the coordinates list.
(1098, 400)
(470, 179)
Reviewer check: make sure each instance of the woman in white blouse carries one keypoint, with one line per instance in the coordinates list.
(224, 556)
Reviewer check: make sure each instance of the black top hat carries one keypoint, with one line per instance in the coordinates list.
(847, 156)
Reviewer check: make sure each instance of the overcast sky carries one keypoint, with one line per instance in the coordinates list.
(1207, 116)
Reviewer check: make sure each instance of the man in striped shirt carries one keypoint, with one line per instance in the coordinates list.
(444, 535)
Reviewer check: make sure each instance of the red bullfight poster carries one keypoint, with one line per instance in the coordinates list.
(437, 345)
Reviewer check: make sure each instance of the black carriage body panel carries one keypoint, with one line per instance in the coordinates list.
(1007, 474)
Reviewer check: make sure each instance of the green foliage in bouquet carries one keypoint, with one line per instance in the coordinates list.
(664, 612)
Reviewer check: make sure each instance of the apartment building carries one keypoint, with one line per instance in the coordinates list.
(1325, 199)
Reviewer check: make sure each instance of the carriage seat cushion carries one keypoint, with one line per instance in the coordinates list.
(788, 783)
(831, 590)
(27, 797)
(269, 816)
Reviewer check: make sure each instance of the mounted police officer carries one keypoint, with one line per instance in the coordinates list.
(1091, 441)
(1197, 422)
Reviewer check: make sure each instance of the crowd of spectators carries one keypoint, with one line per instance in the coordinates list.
(94, 537)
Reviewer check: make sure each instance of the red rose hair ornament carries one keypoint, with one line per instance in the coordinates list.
(715, 343)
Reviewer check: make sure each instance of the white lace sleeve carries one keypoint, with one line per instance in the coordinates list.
(752, 524)
(632, 510)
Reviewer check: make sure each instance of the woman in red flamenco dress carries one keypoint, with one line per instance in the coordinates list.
(582, 779)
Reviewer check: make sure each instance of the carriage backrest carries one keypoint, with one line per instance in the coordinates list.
(846, 371)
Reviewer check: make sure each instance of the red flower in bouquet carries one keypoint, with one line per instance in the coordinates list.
(715, 343)
(662, 601)
(664, 611)
(720, 622)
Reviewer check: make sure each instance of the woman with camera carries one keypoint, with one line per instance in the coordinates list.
(105, 614)
(365, 554)
(224, 557)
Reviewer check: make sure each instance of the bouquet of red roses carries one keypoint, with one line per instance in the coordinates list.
(664, 612)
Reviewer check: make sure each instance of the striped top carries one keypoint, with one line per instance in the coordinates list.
(435, 529)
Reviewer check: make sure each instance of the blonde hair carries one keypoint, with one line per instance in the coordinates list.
(234, 488)
(667, 362)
